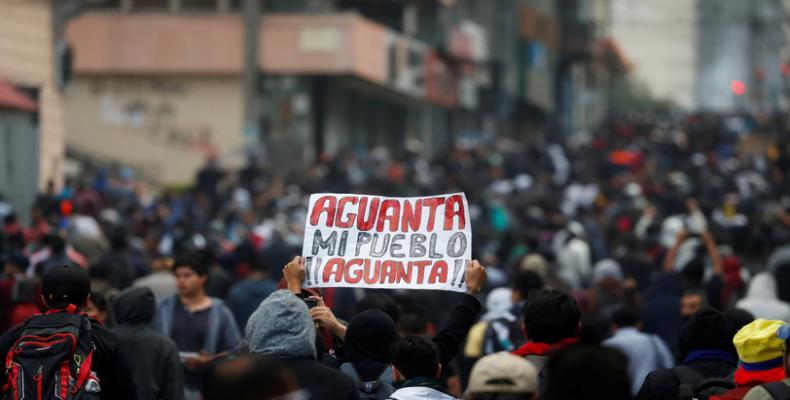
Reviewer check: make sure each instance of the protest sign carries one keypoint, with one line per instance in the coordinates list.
(387, 242)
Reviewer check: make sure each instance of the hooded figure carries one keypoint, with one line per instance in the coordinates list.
(281, 327)
(370, 337)
(154, 361)
(660, 313)
(761, 299)
(706, 352)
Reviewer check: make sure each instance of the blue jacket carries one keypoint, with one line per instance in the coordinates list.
(222, 335)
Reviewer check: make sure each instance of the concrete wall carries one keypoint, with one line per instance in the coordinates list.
(26, 59)
(659, 37)
(165, 126)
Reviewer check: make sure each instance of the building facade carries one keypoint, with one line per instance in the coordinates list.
(659, 37)
(27, 61)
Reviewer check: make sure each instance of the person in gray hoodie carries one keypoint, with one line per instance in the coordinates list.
(761, 299)
(281, 327)
(155, 366)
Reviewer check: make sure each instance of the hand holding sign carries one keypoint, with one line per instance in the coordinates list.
(294, 274)
(476, 277)
(388, 243)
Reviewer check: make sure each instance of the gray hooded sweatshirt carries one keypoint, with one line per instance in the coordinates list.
(761, 299)
(281, 327)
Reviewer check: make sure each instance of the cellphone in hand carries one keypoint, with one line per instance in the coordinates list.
(311, 302)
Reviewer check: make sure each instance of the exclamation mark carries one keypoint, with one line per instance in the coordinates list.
(463, 277)
(307, 265)
(456, 268)
(315, 270)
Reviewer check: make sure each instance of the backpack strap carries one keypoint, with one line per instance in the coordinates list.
(778, 390)
(689, 380)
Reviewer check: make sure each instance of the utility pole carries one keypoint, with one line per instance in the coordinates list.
(252, 76)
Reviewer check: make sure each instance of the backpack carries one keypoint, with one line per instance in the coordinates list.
(52, 359)
(694, 386)
(734, 394)
(778, 390)
(379, 389)
(496, 337)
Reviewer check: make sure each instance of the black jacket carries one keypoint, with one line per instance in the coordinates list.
(322, 382)
(156, 367)
(662, 384)
(109, 361)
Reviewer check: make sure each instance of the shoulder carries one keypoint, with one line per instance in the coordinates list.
(659, 384)
(104, 335)
(758, 393)
(9, 337)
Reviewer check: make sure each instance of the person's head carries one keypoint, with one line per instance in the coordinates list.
(381, 302)
(694, 271)
(502, 376)
(784, 333)
(413, 321)
(56, 244)
(550, 316)
(98, 307)
(692, 301)
(191, 274)
(15, 263)
(64, 286)
(522, 283)
(248, 377)
(281, 327)
(739, 317)
(370, 336)
(415, 357)
(135, 306)
(625, 317)
(707, 329)
(761, 351)
(499, 300)
(536, 264)
(587, 372)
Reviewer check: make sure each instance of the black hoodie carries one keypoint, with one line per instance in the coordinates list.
(156, 367)
(705, 348)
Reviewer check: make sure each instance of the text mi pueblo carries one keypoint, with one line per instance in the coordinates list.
(382, 241)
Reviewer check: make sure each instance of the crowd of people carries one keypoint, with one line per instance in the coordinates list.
(649, 260)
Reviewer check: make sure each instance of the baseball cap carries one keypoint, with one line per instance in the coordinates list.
(760, 350)
(66, 285)
(503, 373)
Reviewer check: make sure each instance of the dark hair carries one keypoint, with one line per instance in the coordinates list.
(381, 302)
(414, 357)
(625, 317)
(596, 373)
(247, 377)
(739, 317)
(525, 282)
(413, 321)
(694, 271)
(550, 316)
(192, 261)
(697, 292)
(56, 244)
(707, 329)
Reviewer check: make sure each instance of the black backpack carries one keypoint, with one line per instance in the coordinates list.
(694, 386)
(52, 359)
(778, 390)
(379, 389)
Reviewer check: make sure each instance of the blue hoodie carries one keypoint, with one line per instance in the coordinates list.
(245, 297)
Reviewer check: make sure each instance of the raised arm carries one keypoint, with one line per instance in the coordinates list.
(463, 315)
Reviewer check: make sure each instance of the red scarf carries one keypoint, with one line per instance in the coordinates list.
(542, 349)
